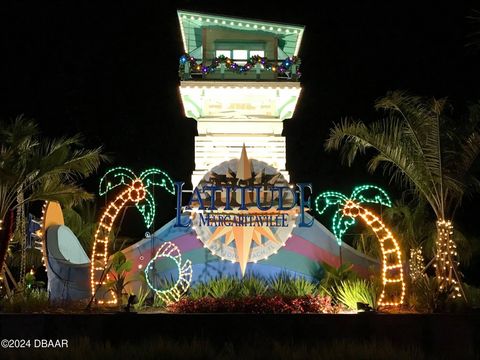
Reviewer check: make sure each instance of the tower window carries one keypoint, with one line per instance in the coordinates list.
(226, 53)
(239, 55)
(260, 53)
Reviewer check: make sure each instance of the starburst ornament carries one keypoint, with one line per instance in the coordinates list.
(248, 235)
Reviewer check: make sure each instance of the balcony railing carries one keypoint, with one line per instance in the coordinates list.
(256, 68)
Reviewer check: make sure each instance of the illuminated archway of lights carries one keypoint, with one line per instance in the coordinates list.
(136, 192)
(349, 208)
(174, 293)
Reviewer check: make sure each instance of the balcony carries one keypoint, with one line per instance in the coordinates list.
(254, 69)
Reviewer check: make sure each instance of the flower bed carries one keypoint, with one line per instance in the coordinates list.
(257, 305)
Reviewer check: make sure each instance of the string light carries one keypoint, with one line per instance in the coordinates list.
(344, 218)
(41, 235)
(239, 24)
(267, 65)
(119, 176)
(416, 264)
(340, 224)
(174, 293)
(446, 258)
(136, 192)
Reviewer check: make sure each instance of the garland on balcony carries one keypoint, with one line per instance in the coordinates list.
(233, 66)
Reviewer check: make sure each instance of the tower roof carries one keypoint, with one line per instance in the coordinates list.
(191, 24)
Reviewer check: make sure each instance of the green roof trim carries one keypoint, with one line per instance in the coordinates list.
(191, 24)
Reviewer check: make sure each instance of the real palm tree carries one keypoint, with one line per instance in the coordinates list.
(82, 219)
(421, 148)
(39, 169)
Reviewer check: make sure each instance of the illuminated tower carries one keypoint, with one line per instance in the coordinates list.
(239, 82)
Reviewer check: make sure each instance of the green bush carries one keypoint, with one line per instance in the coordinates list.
(26, 301)
(118, 269)
(282, 285)
(428, 296)
(351, 292)
(162, 284)
(141, 297)
(224, 288)
(279, 285)
(286, 285)
(200, 290)
(158, 302)
(253, 286)
(301, 287)
(333, 276)
(217, 288)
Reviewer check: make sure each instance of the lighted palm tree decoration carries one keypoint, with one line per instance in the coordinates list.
(137, 191)
(352, 207)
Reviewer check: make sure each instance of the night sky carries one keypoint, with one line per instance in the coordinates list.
(109, 71)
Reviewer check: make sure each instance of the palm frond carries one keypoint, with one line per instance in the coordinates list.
(412, 111)
(147, 208)
(116, 177)
(327, 199)
(371, 194)
(19, 132)
(82, 220)
(341, 224)
(157, 177)
(65, 193)
(397, 154)
(83, 162)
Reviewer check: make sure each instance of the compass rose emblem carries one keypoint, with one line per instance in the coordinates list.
(245, 235)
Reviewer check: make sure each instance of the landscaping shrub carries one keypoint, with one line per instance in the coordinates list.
(224, 287)
(333, 276)
(256, 305)
(141, 298)
(350, 292)
(429, 297)
(285, 285)
(253, 286)
(27, 301)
